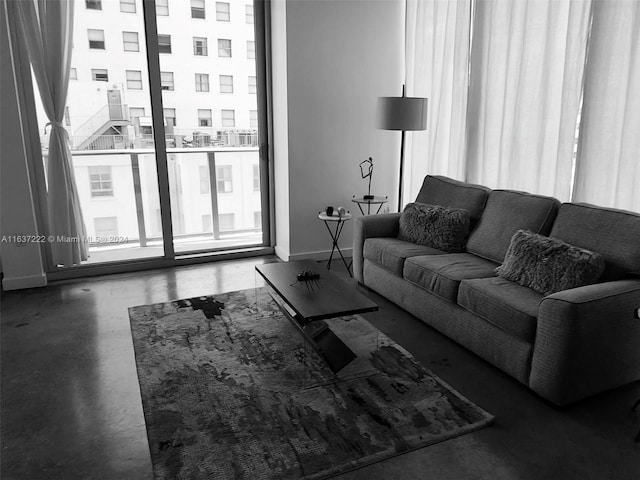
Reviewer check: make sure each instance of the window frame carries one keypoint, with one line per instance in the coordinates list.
(164, 47)
(162, 8)
(126, 42)
(223, 48)
(204, 46)
(200, 84)
(198, 10)
(168, 81)
(227, 86)
(95, 3)
(130, 3)
(98, 71)
(94, 42)
(222, 15)
(133, 81)
(207, 116)
(230, 121)
(102, 186)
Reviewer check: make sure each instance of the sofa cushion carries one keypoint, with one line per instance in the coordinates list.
(435, 226)
(441, 274)
(391, 253)
(505, 304)
(507, 212)
(612, 233)
(439, 190)
(548, 265)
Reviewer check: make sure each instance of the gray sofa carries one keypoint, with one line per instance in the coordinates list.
(565, 346)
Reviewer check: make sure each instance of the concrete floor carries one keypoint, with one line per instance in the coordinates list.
(71, 405)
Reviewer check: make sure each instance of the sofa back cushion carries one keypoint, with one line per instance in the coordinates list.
(614, 234)
(506, 212)
(447, 192)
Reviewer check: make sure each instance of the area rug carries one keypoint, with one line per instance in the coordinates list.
(230, 391)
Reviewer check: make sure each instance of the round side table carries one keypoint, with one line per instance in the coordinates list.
(339, 221)
(380, 201)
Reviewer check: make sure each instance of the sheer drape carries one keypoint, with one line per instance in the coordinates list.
(47, 27)
(608, 162)
(527, 62)
(437, 67)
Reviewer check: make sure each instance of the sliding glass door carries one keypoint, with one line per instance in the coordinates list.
(162, 119)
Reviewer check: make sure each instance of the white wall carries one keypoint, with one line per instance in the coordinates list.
(340, 56)
(22, 263)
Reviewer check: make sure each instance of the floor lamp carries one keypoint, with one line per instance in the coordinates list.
(405, 114)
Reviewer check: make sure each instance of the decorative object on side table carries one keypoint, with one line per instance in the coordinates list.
(380, 201)
(366, 170)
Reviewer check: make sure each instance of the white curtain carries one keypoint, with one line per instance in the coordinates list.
(608, 163)
(437, 67)
(527, 63)
(47, 27)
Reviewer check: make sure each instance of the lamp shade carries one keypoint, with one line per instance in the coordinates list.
(402, 113)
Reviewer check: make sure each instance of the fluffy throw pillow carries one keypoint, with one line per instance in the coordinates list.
(548, 265)
(434, 226)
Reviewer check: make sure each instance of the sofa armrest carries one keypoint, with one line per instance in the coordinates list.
(587, 341)
(384, 225)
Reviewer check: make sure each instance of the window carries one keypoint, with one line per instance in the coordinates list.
(67, 117)
(99, 75)
(130, 42)
(206, 223)
(135, 112)
(170, 117)
(251, 49)
(134, 79)
(128, 6)
(100, 181)
(228, 118)
(93, 4)
(74, 74)
(252, 85)
(249, 13)
(222, 12)
(204, 118)
(257, 219)
(226, 221)
(105, 227)
(224, 179)
(226, 84)
(96, 39)
(166, 80)
(224, 47)
(200, 46)
(256, 178)
(162, 7)
(253, 119)
(164, 43)
(197, 9)
(202, 82)
(204, 179)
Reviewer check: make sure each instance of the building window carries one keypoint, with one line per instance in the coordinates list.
(204, 179)
(170, 117)
(206, 223)
(99, 75)
(130, 42)
(249, 14)
(197, 9)
(202, 82)
(200, 46)
(224, 179)
(251, 49)
(128, 6)
(252, 85)
(226, 221)
(96, 39)
(228, 118)
(74, 74)
(105, 227)
(135, 112)
(100, 181)
(253, 119)
(224, 47)
(93, 4)
(166, 81)
(223, 13)
(67, 117)
(164, 43)
(204, 118)
(256, 178)
(257, 219)
(226, 83)
(162, 7)
(134, 79)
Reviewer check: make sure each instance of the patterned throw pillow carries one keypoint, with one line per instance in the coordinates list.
(548, 265)
(434, 226)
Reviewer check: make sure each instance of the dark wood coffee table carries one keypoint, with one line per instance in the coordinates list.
(307, 303)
